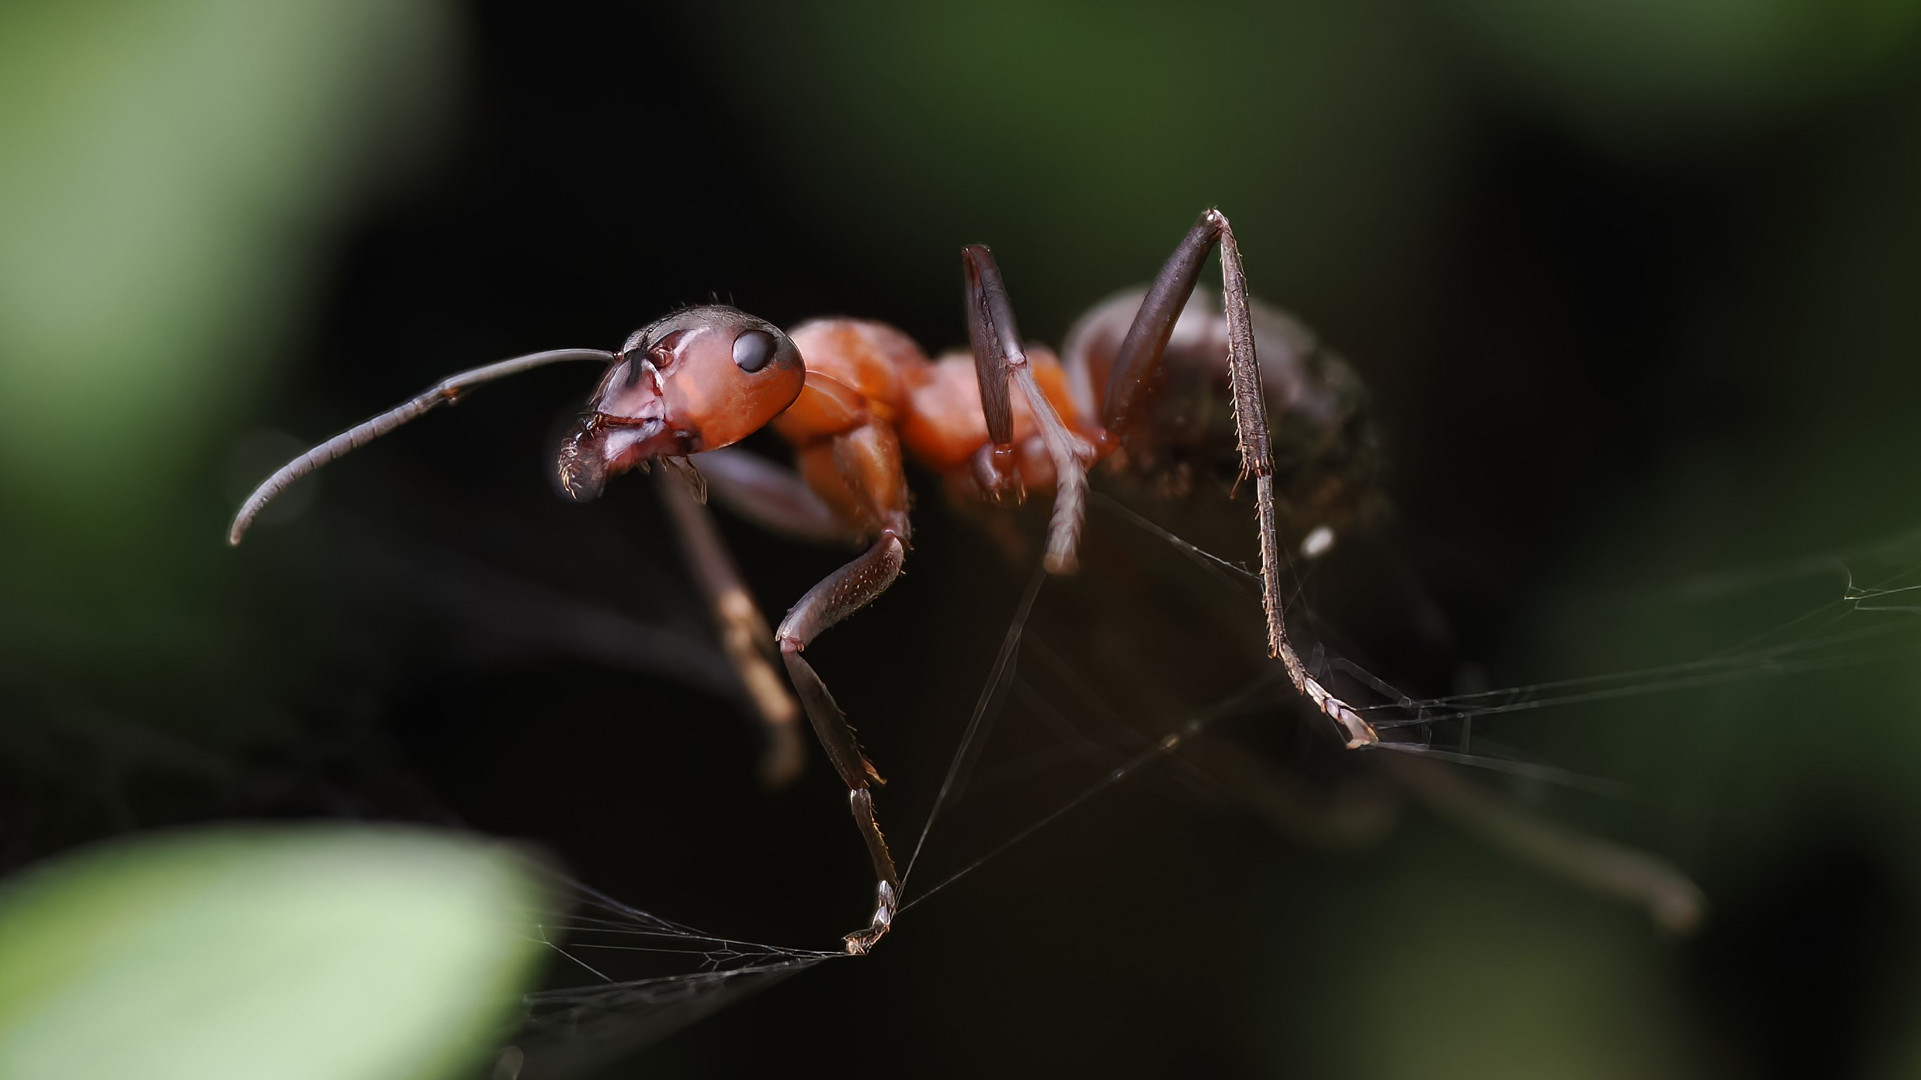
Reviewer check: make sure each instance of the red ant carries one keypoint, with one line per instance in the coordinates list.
(707, 377)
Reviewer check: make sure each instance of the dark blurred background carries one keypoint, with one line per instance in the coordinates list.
(1633, 287)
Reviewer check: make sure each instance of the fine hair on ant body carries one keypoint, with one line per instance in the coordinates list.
(852, 397)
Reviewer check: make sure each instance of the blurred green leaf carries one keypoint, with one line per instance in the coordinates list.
(165, 170)
(322, 953)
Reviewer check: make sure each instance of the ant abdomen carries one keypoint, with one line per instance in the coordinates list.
(1182, 436)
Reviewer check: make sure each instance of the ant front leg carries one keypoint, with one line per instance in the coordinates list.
(862, 461)
(777, 499)
(1136, 361)
(842, 593)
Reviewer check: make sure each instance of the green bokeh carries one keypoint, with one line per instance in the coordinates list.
(1491, 979)
(320, 953)
(1059, 129)
(1668, 71)
(166, 171)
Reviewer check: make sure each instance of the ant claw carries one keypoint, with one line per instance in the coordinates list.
(997, 472)
(860, 942)
(1012, 494)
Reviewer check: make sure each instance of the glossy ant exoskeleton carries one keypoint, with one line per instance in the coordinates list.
(704, 378)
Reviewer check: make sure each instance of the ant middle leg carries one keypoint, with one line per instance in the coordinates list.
(998, 358)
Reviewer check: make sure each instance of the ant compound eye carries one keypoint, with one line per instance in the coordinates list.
(753, 349)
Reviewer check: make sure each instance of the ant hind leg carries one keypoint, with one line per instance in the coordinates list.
(1135, 363)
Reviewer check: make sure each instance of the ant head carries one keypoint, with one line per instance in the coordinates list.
(699, 379)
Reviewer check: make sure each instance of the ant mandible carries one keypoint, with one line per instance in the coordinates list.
(706, 377)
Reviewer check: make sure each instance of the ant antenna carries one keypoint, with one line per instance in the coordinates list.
(442, 392)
